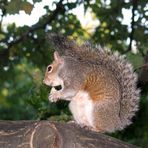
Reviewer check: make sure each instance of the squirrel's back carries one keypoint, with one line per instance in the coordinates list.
(119, 81)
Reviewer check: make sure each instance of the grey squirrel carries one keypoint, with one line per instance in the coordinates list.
(100, 85)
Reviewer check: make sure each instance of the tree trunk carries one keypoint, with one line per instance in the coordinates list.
(46, 134)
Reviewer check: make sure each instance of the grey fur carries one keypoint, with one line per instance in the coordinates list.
(115, 63)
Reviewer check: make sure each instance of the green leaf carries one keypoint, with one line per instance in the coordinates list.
(135, 59)
(14, 6)
(71, 5)
(27, 7)
(35, 1)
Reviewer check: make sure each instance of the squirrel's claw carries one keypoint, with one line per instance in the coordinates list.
(54, 97)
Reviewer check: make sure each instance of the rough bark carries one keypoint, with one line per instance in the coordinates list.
(46, 134)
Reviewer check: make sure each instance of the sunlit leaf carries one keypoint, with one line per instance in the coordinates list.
(14, 6)
(27, 7)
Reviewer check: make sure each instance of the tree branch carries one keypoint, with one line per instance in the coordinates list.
(59, 9)
(131, 36)
(43, 134)
(143, 75)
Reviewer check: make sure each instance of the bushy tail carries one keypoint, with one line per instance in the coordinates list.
(114, 62)
(123, 71)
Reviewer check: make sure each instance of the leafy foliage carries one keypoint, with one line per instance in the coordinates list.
(21, 5)
(25, 53)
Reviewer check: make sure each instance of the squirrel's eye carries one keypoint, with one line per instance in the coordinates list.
(49, 68)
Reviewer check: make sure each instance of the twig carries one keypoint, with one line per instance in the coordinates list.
(131, 35)
(144, 66)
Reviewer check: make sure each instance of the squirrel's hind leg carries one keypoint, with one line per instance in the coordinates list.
(107, 115)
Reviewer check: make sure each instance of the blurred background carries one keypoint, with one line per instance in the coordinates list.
(121, 25)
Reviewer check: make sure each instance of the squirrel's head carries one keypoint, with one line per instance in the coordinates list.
(52, 72)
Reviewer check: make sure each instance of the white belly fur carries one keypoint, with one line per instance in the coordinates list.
(81, 107)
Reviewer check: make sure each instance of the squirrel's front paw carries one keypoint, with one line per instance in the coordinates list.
(54, 97)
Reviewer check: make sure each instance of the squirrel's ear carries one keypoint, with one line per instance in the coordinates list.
(57, 57)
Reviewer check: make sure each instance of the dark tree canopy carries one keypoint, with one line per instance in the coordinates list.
(25, 52)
